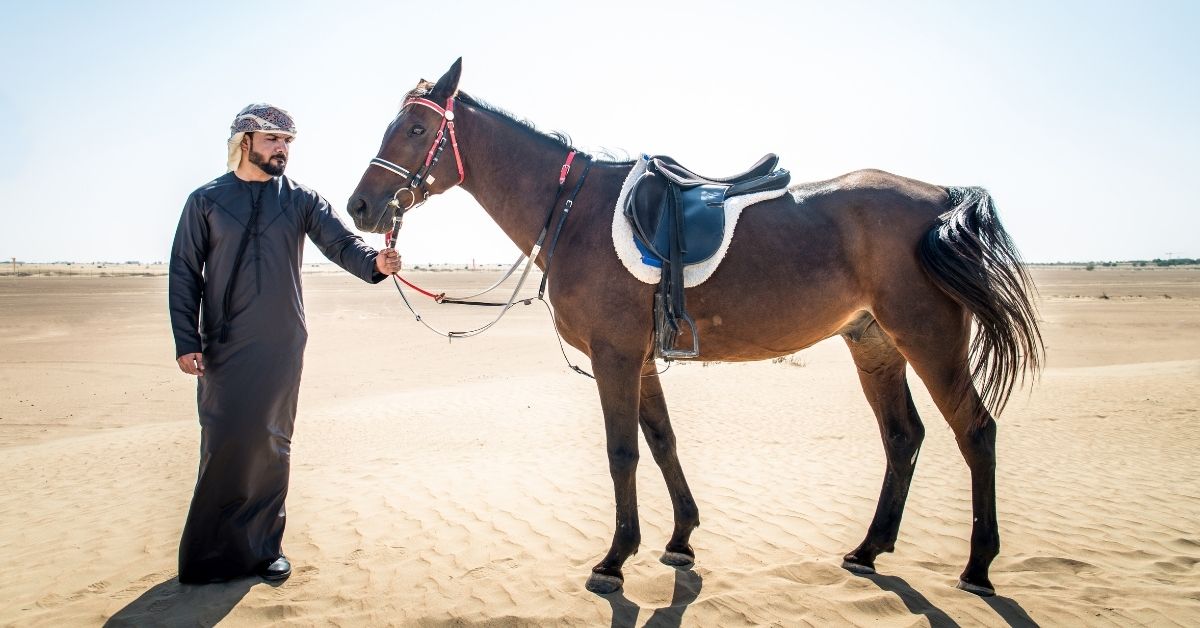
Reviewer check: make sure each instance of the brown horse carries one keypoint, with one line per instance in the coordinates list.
(897, 267)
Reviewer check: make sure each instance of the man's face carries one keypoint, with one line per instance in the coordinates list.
(268, 151)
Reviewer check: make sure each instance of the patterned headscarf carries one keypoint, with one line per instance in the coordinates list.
(257, 118)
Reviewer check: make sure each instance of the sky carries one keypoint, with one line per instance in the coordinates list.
(1081, 118)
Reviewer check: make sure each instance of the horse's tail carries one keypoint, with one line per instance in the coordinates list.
(970, 256)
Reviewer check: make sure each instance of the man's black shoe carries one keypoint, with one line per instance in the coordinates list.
(277, 571)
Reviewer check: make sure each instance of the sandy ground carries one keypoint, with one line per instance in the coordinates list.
(466, 483)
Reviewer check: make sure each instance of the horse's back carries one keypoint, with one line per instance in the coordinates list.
(854, 217)
(816, 257)
(872, 195)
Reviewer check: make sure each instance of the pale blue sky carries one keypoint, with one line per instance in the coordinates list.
(1081, 118)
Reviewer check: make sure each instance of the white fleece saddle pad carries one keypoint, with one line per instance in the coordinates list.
(694, 274)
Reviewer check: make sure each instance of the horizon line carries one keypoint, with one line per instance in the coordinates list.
(11, 260)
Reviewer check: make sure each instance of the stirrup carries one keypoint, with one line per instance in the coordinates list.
(671, 353)
(666, 331)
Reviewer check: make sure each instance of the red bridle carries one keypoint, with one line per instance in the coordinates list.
(447, 114)
(420, 179)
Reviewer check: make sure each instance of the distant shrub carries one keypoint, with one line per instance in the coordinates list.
(792, 360)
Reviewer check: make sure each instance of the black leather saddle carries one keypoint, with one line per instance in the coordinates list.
(678, 219)
(701, 201)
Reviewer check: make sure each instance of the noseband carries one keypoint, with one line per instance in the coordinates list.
(419, 181)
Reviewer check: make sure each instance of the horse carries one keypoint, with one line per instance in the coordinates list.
(900, 269)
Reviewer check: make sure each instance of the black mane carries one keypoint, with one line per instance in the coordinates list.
(559, 138)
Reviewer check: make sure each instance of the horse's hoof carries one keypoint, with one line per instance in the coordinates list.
(857, 568)
(601, 584)
(981, 591)
(677, 559)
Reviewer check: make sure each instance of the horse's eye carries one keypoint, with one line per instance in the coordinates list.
(416, 130)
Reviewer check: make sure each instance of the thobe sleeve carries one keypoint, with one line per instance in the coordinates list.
(186, 278)
(339, 244)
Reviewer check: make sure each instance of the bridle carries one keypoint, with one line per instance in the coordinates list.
(418, 182)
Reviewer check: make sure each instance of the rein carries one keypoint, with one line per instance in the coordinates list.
(529, 263)
(419, 182)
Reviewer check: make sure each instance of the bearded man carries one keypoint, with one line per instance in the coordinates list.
(237, 314)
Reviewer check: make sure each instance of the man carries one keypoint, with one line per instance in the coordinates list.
(237, 314)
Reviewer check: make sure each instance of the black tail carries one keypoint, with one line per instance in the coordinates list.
(970, 256)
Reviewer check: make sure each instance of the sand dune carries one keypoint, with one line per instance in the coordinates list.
(466, 483)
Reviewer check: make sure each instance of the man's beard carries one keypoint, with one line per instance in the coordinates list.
(268, 166)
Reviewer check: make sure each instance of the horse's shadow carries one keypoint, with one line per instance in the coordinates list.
(1008, 609)
(687, 588)
(169, 603)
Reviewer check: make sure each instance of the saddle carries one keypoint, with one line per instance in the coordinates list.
(678, 219)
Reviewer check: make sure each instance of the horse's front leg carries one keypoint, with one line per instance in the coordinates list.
(618, 381)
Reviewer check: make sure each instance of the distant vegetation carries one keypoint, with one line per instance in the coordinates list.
(1137, 263)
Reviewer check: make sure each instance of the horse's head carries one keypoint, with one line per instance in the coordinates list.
(418, 157)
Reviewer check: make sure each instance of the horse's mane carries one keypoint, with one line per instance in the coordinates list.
(560, 139)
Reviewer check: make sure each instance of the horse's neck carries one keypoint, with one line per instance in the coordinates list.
(511, 172)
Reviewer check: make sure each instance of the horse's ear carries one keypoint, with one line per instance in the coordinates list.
(447, 86)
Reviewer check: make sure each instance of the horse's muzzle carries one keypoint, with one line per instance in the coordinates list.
(360, 212)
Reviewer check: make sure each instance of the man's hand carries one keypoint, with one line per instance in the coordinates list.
(388, 261)
(192, 363)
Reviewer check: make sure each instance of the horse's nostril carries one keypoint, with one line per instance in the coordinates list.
(357, 208)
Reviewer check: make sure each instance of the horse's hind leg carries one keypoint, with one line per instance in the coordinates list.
(656, 426)
(882, 370)
(935, 342)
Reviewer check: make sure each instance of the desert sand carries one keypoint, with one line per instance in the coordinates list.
(465, 483)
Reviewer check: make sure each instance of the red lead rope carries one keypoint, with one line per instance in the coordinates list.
(387, 241)
(387, 237)
(436, 297)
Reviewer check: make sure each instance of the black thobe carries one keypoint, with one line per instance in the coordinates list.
(247, 396)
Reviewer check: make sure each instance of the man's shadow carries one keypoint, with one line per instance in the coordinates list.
(918, 604)
(687, 588)
(169, 603)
